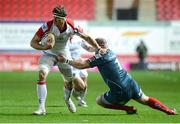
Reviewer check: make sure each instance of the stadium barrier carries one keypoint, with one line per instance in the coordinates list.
(162, 40)
(29, 62)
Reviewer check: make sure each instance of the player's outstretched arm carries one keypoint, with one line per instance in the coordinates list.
(80, 64)
(88, 47)
(87, 38)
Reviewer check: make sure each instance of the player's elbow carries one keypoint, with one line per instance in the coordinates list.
(35, 41)
(32, 44)
(84, 65)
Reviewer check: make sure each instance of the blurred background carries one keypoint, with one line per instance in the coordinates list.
(124, 23)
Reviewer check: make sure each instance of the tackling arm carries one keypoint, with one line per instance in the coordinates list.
(80, 64)
(88, 47)
(89, 39)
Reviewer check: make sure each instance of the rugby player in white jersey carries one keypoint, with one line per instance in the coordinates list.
(80, 75)
(62, 28)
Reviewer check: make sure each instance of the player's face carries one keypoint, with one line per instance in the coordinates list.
(60, 22)
(102, 43)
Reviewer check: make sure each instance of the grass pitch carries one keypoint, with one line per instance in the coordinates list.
(18, 99)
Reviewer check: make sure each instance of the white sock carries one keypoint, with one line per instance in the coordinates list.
(42, 94)
(67, 94)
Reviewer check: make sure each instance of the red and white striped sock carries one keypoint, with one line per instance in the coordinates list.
(156, 104)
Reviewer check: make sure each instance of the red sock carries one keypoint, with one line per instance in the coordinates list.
(41, 82)
(156, 104)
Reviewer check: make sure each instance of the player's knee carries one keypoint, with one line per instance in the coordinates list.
(42, 75)
(99, 101)
(43, 72)
(144, 99)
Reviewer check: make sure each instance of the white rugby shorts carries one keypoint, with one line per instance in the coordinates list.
(47, 61)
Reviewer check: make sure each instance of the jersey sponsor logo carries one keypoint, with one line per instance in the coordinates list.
(60, 38)
(44, 27)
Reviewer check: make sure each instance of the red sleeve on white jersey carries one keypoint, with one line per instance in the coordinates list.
(44, 29)
(73, 25)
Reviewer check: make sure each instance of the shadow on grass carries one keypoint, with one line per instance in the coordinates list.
(15, 114)
(64, 114)
(29, 114)
(101, 114)
(19, 106)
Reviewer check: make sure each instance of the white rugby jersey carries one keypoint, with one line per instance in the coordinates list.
(75, 47)
(61, 38)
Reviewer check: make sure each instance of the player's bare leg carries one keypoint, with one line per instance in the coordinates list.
(156, 104)
(67, 76)
(79, 91)
(102, 102)
(42, 93)
(83, 93)
(67, 95)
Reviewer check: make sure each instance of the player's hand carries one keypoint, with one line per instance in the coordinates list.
(50, 43)
(102, 50)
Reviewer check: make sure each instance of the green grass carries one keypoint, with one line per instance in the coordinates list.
(18, 99)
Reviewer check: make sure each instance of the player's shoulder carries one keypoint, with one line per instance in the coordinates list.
(70, 22)
(50, 22)
(109, 53)
(73, 25)
(47, 25)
